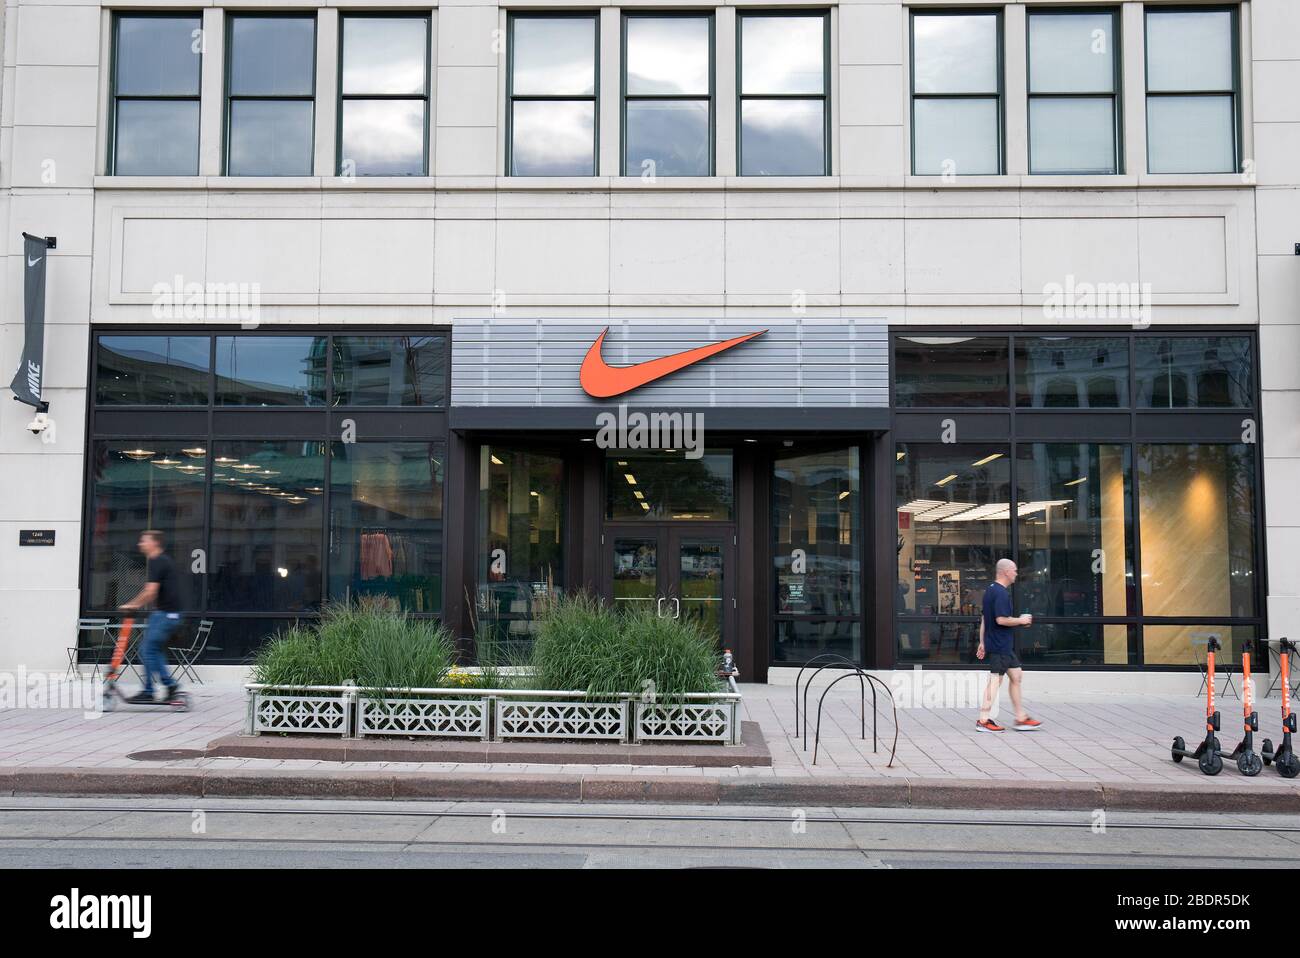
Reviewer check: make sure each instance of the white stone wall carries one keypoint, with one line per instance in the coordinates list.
(870, 241)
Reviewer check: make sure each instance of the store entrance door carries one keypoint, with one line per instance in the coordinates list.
(677, 571)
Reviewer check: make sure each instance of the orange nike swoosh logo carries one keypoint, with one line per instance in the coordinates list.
(602, 380)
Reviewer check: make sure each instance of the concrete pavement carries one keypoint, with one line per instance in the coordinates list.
(1094, 751)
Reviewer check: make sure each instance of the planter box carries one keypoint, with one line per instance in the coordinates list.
(543, 716)
(316, 711)
(494, 715)
(462, 716)
(707, 721)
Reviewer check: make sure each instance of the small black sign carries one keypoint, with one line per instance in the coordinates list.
(36, 537)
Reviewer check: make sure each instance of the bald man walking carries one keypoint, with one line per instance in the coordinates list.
(998, 642)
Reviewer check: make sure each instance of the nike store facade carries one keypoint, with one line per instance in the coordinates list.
(410, 316)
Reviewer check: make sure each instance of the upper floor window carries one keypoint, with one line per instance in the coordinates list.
(1073, 87)
(384, 96)
(157, 64)
(956, 93)
(668, 94)
(552, 91)
(784, 109)
(271, 88)
(1192, 84)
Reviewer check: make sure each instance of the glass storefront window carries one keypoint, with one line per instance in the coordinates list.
(1185, 645)
(521, 536)
(1071, 372)
(1076, 529)
(390, 371)
(271, 370)
(939, 371)
(937, 643)
(1075, 644)
(817, 542)
(798, 640)
(664, 485)
(152, 370)
(386, 523)
(138, 485)
(1177, 372)
(954, 524)
(266, 526)
(1197, 515)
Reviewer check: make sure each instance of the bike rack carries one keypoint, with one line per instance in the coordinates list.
(857, 670)
(893, 750)
(798, 678)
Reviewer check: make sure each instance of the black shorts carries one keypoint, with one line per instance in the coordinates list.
(999, 662)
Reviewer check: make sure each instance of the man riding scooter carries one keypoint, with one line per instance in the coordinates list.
(162, 591)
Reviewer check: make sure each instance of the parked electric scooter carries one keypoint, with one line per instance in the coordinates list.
(1208, 755)
(112, 694)
(1284, 757)
(1248, 762)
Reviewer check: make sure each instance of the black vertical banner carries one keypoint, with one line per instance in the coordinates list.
(31, 369)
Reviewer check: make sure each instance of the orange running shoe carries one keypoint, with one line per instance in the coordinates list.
(988, 725)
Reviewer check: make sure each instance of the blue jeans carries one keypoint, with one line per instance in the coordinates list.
(153, 648)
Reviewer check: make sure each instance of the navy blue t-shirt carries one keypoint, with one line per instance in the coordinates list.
(997, 638)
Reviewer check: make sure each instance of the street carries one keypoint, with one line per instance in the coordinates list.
(229, 833)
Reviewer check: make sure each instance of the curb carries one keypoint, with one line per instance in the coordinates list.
(666, 789)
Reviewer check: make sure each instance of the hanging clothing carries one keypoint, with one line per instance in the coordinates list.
(376, 556)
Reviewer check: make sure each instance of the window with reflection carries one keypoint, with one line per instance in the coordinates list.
(659, 485)
(1192, 83)
(271, 370)
(384, 94)
(267, 523)
(389, 371)
(783, 94)
(552, 95)
(817, 542)
(1175, 372)
(1075, 526)
(270, 91)
(1077, 644)
(938, 371)
(521, 539)
(157, 64)
(138, 485)
(1071, 372)
(667, 94)
(386, 522)
(152, 370)
(816, 553)
(1187, 644)
(1197, 515)
(1073, 87)
(956, 93)
(954, 524)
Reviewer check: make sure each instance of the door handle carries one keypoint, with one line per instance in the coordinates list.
(677, 608)
(659, 607)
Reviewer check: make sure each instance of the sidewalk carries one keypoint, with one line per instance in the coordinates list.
(1094, 750)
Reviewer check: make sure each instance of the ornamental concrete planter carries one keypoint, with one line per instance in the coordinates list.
(494, 715)
(441, 713)
(697, 718)
(316, 710)
(560, 715)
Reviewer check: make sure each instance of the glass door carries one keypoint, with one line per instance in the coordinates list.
(680, 572)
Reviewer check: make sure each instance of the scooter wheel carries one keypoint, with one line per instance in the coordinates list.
(180, 702)
(1267, 751)
(1249, 764)
(1179, 747)
(110, 701)
(1289, 767)
(1211, 763)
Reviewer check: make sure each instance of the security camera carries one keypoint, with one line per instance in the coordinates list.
(39, 424)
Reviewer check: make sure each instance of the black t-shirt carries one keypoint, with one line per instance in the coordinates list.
(162, 569)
